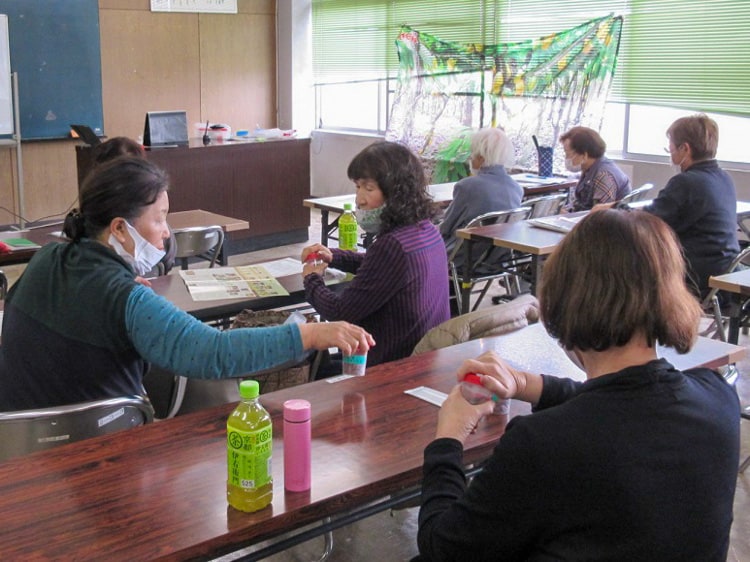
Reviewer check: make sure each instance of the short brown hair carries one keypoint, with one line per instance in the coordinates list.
(699, 131)
(616, 275)
(585, 141)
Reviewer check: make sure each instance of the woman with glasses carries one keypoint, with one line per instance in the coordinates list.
(700, 202)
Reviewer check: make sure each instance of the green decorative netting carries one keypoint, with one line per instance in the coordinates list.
(537, 87)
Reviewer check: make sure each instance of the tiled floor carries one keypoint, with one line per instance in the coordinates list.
(391, 536)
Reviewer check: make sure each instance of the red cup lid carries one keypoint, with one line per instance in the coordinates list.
(473, 378)
(313, 256)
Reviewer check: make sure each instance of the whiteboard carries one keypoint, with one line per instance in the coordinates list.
(211, 6)
(6, 94)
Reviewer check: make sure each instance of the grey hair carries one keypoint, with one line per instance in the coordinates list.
(494, 146)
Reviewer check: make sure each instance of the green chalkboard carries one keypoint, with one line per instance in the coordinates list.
(55, 49)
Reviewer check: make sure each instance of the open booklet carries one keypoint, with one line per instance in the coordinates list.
(231, 283)
(558, 223)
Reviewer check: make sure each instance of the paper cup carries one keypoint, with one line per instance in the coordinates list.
(354, 364)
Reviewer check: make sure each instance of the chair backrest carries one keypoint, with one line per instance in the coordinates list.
(198, 241)
(639, 194)
(500, 217)
(3, 285)
(495, 217)
(27, 431)
(546, 205)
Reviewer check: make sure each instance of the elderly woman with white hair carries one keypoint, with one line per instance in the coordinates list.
(488, 189)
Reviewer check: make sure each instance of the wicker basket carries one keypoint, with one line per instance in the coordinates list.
(292, 375)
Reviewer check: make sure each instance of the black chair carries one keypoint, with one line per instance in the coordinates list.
(27, 431)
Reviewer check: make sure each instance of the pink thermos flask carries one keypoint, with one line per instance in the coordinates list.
(297, 444)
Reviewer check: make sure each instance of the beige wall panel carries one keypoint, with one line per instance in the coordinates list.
(150, 62)
(7, 183)
(238, 70)
(50, 178)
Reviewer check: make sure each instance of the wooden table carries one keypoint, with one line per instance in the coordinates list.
(524, 237)
(737, 284)
(442, 195)
(260, 182)
(176, 220)
(519, 236)
(157, 492)
(173, 288)
(199, 217)
(41, 235)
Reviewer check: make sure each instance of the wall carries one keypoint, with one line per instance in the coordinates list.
(218, 67)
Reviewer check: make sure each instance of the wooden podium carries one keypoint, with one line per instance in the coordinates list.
(263, 183)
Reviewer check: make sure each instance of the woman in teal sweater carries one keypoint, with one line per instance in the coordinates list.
(78, 327)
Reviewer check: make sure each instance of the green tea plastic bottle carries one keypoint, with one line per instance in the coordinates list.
(348, 229)
(249, 449)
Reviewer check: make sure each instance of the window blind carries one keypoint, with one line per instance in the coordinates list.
(355, 39)
(688, 54)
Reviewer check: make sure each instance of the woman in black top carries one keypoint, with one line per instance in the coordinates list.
(637, 463)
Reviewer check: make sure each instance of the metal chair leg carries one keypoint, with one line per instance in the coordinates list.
(329, 543)
(744, 465)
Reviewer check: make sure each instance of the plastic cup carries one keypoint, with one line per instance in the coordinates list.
(354, 364)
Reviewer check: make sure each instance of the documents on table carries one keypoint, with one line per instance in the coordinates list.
(240, 282)
(558, 223)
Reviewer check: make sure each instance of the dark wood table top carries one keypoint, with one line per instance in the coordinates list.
(157, 492)
(42, 235)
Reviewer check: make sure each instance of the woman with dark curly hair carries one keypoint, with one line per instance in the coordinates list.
(401, 286)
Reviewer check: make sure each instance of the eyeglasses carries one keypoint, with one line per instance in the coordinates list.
(667, 150)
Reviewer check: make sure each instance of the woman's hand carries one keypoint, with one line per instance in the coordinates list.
(143, 281)
(324, 253)
(457, 418)
(314, 267)
(347, 337)
(501, 379)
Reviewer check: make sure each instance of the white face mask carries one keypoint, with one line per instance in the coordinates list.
(572, 167)
(369, 219)
(677, 168)
(146, 254)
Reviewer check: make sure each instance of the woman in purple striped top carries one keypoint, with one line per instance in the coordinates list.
(401, 286)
